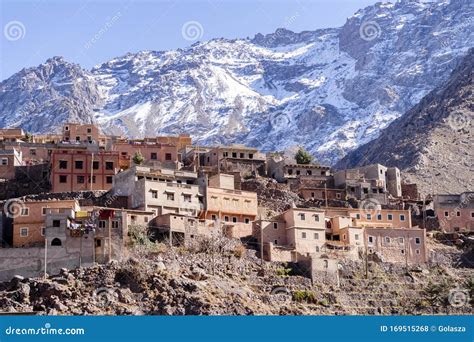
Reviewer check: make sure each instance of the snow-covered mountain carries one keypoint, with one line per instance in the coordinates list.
(330, 90)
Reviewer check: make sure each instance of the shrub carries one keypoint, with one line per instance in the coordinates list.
(304, 296)
(303, 156)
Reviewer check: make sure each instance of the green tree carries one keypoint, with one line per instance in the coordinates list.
(303, 156)
(138, 158)
(28, 137)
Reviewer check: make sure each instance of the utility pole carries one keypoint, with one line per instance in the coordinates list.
(110, 238)
(325, 194)
(92, 169)
(45, 255)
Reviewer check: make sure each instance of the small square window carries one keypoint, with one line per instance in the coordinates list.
(302, 217)
(43, 211)
(316, 236)
(458, 213)
(247, 220)
(25, 211)
(43, 231)
(95, 165)
(379, 217)
(102, 224)
(62, 179)
(81, 179)
(303, 235)
(316, 217)
(389, 217)
(109, 165)
(109, 179)
(369, 216)
(154, 194)
(24, 232)
(275, 225)
(446, 213)
(115, 224)
(153, 156)
(79, 164)
(56, 223)
(234, 219)
(417, 240)
(63, 164)
(402, 217)
(168, 156)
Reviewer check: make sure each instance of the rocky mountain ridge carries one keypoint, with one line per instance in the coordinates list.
(330, 90)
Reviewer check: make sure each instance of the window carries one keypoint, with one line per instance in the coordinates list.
(446, 214)
(417, 251)
(33, 151)
(234, 154)
(43, 231)
(109, 165)
(242, 155)
(379, 217)
(369, 216)
(302, 217)
(317, 248)
(133, 218)
(187, 198)
(275, 242)
(4, 161)
(402, 217)
(303, 235)
(226, 218)
(247, 220)
(43, 211)
(417, 240)
(154, 194)
(402, 251)
(308, 172)
(170, 196)
(168, 156)
(79, 164)
(214, 217)
(371, 239)
(153, 156)
(316, 217)
(115, 224)
(250, 155)
(92, 179)
(234, 219)
(89, 130)
(472, 214)
(387, 239)
(458, 213)
(145, 218)
(298, 172)
(374, 190)
(95, 165)
(344, 237)
(275, 225)
(63, 164)
(389, 217)
(316, 236)
(401, 240)
(66, 128)
(312, 194)
(358, 216)
(338, 195)
(356, 237)
(78, 138)
(109, 179)
(25, 211)
(80, 179)
(24, 232)
(56, 223)
(365, 190)
(62, 179)
(290, 171)
(102, 224)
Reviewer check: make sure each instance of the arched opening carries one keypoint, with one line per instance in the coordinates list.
(56, 242)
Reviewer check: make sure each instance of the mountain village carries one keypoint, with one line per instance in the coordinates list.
(77, 198)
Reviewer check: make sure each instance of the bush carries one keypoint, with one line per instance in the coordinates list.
(239, 251)
(283, 272)
(301, 296)
(303, 157)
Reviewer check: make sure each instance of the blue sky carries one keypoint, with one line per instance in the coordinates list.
(91, 32)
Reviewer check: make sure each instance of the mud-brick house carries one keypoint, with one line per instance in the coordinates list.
(234, 209)
(236, 158)
(455, 212)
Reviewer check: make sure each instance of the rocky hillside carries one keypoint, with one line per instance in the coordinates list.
(330, 90)
(433, 142)
(193, 282)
